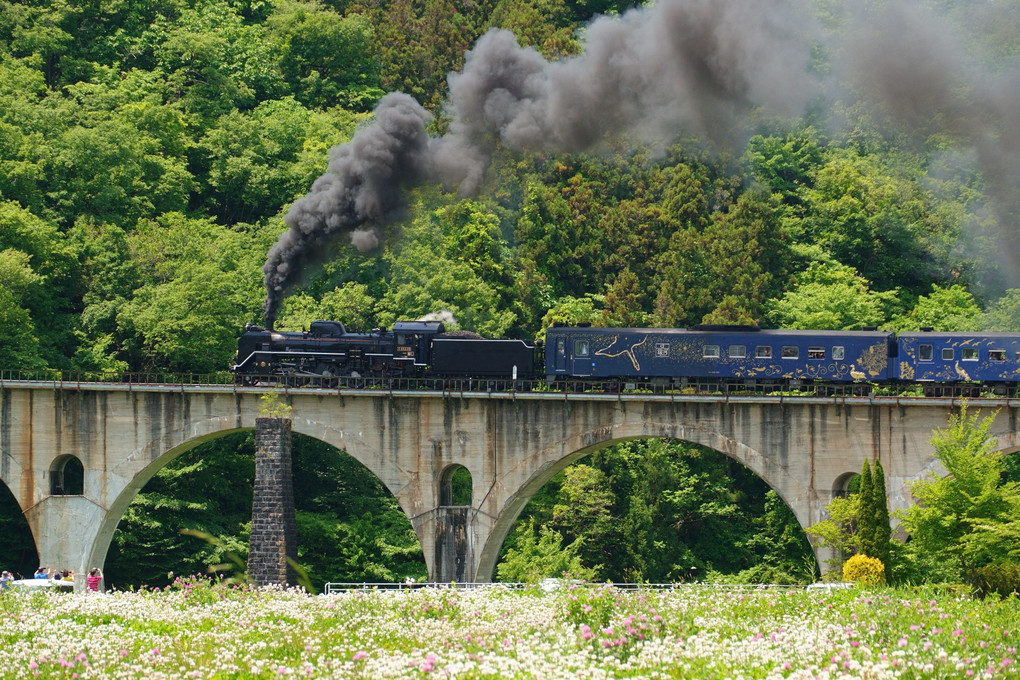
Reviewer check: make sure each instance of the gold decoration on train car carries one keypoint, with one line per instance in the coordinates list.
(872, 361)
(906, 371)
(628, 352)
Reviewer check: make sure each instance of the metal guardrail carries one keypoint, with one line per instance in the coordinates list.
(553, 584)
(825, 393)
(335, 588)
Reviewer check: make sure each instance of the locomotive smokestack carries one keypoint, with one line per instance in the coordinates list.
(679, 65)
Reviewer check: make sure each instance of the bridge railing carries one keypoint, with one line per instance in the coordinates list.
(459, 386)
(59, 378)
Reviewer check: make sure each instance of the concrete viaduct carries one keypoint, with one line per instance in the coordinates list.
(806, 448)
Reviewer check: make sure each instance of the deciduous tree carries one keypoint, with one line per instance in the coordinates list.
(955, 521)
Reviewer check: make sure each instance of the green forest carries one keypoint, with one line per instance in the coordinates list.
(150, 153)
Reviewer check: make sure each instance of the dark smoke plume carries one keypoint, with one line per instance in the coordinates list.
(917, 66)
(361, 190)
(681, 65)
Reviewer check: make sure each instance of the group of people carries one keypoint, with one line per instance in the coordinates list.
(54, 574)
(92, 581)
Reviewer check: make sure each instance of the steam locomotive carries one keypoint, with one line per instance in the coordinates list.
(328, 354)
(717, 357)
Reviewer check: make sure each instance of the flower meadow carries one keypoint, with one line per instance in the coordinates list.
(199, 628)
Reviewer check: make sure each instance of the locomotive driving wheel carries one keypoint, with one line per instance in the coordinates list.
(328, 372)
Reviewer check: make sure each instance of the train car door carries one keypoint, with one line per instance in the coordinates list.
(582, 357)
(561, 355)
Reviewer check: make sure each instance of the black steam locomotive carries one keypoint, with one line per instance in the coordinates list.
(328, 354)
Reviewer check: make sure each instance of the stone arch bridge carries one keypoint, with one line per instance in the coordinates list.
(803, 447)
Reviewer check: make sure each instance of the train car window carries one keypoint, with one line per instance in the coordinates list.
(969, 354)
(816, 353)
(581, 348)
(996, 355)
(947, 354)
(763, 352)
(561, 347)
(791, 352)
(710, 351)
(738, 351)
(838, 353)
(925, 352)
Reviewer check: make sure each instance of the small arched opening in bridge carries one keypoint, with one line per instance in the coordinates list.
(17, 546)
(67, 476)
(455, 486)
(349, 526)
(846, 484)
(657, 510)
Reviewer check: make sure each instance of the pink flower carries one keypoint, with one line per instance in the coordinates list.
(358, 656)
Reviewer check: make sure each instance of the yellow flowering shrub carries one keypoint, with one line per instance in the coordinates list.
(864, 569)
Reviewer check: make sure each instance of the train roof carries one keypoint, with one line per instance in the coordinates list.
(961, 334)
(733, 330)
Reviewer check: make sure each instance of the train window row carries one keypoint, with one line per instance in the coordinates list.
(927, 353)
(815, 353)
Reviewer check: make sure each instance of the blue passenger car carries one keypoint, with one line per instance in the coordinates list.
(725, 353)
(986, 358)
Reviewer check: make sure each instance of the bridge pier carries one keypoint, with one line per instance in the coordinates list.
(273, 525)
(455, 553)
(66, 529)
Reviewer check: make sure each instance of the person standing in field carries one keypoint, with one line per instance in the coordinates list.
(93, 579)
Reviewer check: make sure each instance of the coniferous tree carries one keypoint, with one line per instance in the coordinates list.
(881, 504)
(866, 519)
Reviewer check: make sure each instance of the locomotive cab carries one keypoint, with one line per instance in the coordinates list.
(412, 341)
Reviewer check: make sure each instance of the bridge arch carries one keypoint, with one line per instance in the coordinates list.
(19, 548)
(547, 463)
(113, 519)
